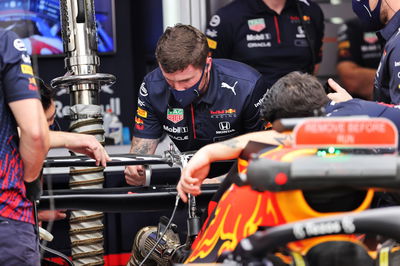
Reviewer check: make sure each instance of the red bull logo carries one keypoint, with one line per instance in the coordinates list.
(32, 84)
(220, 112)
(138, 120)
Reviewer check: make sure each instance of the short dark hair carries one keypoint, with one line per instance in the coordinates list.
(181, 46)
(46, 93)
(294, 95)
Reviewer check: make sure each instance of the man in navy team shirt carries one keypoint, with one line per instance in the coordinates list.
(21, 158)
(194, 99)
(359, 53)
(384, 15)
(275, 37)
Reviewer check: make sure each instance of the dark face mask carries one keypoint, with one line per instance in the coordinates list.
(186, 97)
(370, 19)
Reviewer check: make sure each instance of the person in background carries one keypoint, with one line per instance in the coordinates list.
(80, 143)
(384, 15)
(275, 37)
(21, 156)
(193, 98)
(359, 52)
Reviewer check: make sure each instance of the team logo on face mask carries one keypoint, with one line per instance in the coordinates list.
(257, 24)
(175, 115)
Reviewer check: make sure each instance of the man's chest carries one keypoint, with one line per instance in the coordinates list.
(269, 31)
(213, 123)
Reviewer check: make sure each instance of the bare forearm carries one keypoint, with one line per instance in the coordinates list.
(57, 139)
(143, 146)
(357, 80)
(61, 139)
(232, 148)
(33, 150)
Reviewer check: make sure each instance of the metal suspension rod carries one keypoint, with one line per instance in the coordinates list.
(83, 83)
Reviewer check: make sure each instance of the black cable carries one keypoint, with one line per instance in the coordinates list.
(164, 232)
(50, 223)
(57, 253)
(43, 245)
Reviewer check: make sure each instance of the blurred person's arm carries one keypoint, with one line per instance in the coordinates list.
(356, 79)
(34, 139)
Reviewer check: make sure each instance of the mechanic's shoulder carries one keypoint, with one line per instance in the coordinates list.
(7, 35)
(236, 70)
(230, 13)
(393, 44)
(154, 81)
(3, 32)
(154, 76)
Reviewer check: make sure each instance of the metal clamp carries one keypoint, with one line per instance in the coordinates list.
(101, 78)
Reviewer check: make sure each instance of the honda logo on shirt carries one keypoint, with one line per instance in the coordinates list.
(225, 125)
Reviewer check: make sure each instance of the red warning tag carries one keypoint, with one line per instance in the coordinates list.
(346, 132)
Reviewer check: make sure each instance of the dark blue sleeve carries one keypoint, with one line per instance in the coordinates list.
(16, 69)
(220, 35)
(368, 108)
(393, 114)
(393, 63)
(251, 110)
(147, 125)
(349, 44)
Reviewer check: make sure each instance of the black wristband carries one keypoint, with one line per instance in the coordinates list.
(34, 189)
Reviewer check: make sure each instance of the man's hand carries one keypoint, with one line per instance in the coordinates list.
(193, 174)
(341, 95)
(48, 215)
(86, 144)
(135, 175)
